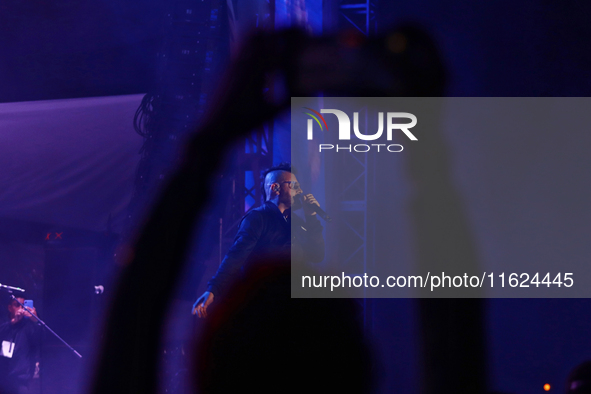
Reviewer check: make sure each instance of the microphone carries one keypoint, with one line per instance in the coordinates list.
(11, 288)
(316, 209)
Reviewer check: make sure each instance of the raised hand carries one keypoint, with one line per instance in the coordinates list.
(200, 306)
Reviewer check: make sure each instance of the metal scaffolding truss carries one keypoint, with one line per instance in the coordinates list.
(254, 156)
(359, 14)
(258, 155)
(354, 198)
(362, 16)
(356, 245)
(257, 152)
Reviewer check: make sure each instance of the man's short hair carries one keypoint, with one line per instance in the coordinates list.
(284, 166)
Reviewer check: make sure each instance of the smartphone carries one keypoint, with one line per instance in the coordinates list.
(28, 304)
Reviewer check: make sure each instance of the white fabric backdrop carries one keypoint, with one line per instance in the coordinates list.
(68, 162)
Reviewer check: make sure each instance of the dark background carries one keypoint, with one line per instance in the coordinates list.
(66, 49)
(70, 49)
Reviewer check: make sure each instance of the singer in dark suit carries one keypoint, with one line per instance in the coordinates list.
(270, 231)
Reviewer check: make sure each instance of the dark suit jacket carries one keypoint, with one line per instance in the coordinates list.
(265, 233)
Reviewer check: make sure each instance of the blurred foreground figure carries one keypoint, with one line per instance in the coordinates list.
(260, 336)
(20, 339)
(579, 380)
(266, 232)
(260, 340)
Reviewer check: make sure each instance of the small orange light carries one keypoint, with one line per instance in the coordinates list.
(546, 387)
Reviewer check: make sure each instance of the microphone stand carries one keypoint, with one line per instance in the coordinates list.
(10, 289)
